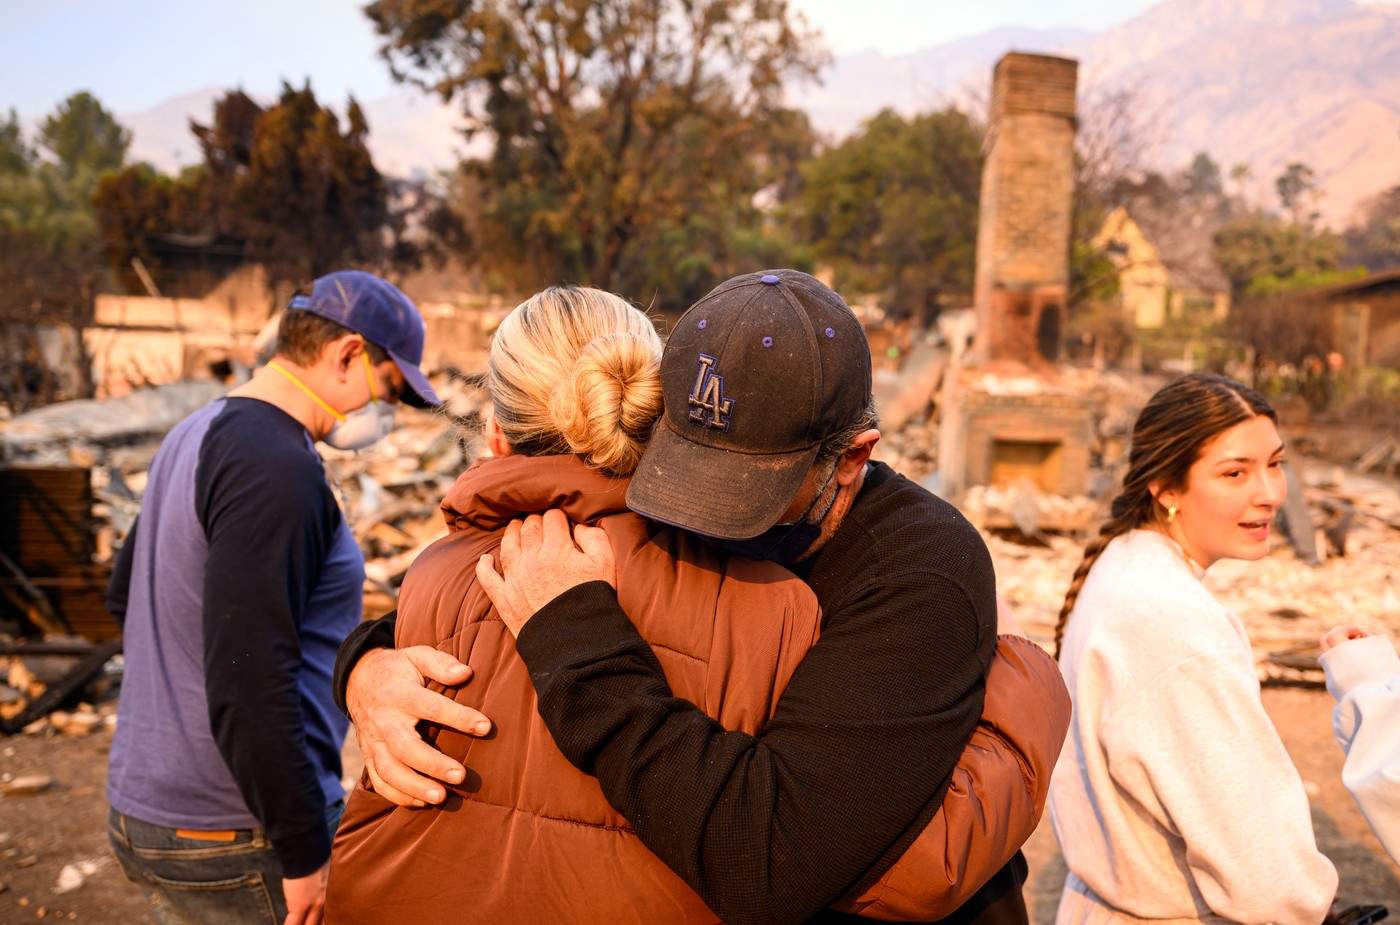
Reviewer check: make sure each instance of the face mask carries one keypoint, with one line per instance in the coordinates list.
(361, 427)
(784, 543)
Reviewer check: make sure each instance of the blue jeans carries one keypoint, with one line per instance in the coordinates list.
(226, 878)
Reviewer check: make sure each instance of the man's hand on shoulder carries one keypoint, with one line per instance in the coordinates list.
(387, 699)
(541, 558)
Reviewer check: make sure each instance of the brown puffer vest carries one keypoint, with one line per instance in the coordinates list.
(529, 838)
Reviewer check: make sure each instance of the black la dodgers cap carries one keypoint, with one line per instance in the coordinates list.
(755, 375)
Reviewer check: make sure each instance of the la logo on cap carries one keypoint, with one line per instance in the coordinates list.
(708, 406)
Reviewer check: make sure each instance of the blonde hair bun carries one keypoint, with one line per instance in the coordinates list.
(604, 410)
(577, 370)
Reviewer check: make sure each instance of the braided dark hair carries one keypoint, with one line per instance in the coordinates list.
(1168, 435)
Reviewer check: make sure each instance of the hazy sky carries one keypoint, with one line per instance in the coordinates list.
(136, 53)
(898, 26)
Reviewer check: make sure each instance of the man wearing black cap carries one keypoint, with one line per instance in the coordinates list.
(764, 448)
(234, 591)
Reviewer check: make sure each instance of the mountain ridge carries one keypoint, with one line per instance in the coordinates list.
(1262, 82)
(1277, 81)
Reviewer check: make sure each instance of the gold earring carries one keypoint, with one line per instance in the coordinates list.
(1171, 512)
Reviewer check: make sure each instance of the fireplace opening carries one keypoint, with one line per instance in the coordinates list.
(1047, 333)
(1037, 461)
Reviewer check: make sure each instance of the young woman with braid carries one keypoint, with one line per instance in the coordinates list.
(1174, 799)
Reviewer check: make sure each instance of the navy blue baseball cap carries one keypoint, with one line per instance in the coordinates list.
(375, 309)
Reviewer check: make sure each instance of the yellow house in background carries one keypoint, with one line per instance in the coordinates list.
(1166, 268)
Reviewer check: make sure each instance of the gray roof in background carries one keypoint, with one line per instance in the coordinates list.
(1185, 240)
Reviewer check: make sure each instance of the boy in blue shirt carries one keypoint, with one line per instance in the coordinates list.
(234, 589)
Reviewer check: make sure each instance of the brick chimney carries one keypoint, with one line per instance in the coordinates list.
(1022, 278)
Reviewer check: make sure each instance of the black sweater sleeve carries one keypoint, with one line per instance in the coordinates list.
(776, 827)
(371, 634)
(269, 519)
(119, 585)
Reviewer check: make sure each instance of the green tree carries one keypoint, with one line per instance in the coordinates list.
(291, 184)
(714, 229)
(1098, 320)
(612, 123)
(50, 196)
(46, 203)
(893, 209)
(1261, 253)
(49, 251)
(227, 141)
(1374, 242)
(46, 189)
(137, 204)
(309, 198)
(226, 144)
(1202, 180)
(15, 155)
(83, 135)
(1297, 192)
(1240, 175)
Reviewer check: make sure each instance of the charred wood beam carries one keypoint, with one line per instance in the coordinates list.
(68, 688)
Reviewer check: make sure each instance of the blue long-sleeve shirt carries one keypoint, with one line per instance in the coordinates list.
(235, 589)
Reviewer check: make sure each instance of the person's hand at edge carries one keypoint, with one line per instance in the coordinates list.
(386, 698)
(541, 558)
(1340, 634)
(305, 896)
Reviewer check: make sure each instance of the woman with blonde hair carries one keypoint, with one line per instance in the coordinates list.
(1174, 799)
(575, 387)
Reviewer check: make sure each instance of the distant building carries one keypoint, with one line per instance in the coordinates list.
(136, 341)
(1166, 265)
(1365, 318)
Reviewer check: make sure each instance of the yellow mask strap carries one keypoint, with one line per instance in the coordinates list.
(369, 374)
(291, 377)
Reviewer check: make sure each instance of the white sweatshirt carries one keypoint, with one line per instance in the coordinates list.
(1364, 676)
(1174, 798)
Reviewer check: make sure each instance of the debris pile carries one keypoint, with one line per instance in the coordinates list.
(1336, 556)
(1029, 511)
(392, 492)
(61, 684)
(77, 491)
(1383, 457)
(51, 576)
(72, 876)
(25, 784)
(123, 432)
(912, 450)
(910, 418)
